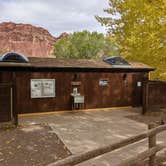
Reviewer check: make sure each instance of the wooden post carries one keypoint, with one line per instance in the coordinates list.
(141, 157)
(152, 144)
(15, 113)
(145, 96)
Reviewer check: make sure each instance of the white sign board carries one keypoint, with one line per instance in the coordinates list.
(42, 88)
(139, 84)
(79, 99)
(103, 82)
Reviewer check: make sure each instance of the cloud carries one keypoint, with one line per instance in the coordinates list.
(55, 15)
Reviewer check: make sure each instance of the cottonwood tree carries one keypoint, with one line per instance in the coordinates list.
(139, 27)
(85, 44)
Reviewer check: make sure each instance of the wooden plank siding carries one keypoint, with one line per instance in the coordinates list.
(157, 93)
(117, 93)
(154, 95)
(5, 96)
(5, 103)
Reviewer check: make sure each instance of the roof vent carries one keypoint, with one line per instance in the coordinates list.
(116, 61)
(14, 57)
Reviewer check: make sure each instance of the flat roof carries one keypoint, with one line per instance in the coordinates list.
(55, 63)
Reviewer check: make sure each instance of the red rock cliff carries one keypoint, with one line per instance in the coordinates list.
(26, 39)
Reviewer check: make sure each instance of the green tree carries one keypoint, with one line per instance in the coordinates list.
(85, 45)
(140, 30)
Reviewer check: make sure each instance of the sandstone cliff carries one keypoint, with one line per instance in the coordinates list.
(26, 39)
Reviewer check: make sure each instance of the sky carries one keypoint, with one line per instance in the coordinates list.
(57, 16)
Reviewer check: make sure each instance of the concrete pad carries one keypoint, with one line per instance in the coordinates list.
(84, 131)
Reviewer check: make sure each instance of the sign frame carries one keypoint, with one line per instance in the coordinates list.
(79, 99)
(39, 88)
(139, 84)
(103, 82)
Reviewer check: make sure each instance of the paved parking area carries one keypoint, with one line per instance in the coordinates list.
(83, 131)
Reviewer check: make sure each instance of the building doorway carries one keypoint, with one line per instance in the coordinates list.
(6, 102)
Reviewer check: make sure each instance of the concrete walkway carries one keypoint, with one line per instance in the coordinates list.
(84, 131)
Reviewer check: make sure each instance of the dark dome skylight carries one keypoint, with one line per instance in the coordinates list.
(116, 61)
(14, 57)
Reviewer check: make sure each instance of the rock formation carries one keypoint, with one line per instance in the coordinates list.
(26, 39)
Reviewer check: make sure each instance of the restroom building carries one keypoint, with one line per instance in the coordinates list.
(31, 85)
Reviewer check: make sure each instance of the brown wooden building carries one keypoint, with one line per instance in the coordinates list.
(46, 84)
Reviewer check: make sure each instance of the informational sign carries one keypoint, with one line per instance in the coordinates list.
(42, 88)
(139, 84)
(103, 82)
(79, 99)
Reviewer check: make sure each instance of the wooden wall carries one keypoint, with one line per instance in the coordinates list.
(5, 96)
(117, 93)
(154, 95)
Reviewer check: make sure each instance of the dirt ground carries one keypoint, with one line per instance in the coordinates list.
(157, 116)
(32, 145)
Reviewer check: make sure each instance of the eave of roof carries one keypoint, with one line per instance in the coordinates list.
(73, 64)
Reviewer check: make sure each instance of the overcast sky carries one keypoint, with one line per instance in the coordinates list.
(55, 15)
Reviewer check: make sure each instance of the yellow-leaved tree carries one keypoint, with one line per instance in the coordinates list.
(139, 27)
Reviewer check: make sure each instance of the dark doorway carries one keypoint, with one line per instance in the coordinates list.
(137, 90)
(6, 103)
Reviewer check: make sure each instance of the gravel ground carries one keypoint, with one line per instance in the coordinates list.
(33, 145)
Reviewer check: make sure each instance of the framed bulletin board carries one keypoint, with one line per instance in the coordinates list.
(42, 88)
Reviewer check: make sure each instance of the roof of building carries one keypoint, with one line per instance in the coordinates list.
(16, 60)
(50, 63)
